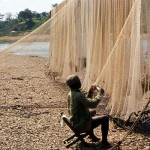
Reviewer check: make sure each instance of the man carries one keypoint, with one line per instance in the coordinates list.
(80, 116)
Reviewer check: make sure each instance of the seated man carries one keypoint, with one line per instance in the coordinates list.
(80, 116)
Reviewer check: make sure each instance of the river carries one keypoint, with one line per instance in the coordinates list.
(42, 48)
(33, 49)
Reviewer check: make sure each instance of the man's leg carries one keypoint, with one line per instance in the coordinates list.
(92, 112)
(104, 122)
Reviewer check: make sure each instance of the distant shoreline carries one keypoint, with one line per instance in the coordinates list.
(18, 37)
(10, 38)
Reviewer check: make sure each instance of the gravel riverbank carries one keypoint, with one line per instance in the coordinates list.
(30, 106)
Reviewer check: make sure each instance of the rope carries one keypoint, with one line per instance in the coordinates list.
(132, 127)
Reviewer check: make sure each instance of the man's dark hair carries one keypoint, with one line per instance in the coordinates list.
(73, 82)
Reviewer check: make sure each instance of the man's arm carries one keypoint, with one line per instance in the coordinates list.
(68, 104)
(90, 102)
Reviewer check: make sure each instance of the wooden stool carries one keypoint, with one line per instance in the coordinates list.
(75, 137)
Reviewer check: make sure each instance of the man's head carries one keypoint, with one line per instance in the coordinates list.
(73, 82)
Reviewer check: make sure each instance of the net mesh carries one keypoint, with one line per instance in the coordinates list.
(105, 42)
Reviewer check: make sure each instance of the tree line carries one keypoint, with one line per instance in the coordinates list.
(25, 21)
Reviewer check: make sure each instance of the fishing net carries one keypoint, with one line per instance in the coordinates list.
(105, 42)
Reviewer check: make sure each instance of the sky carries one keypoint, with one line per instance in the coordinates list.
(15, 6)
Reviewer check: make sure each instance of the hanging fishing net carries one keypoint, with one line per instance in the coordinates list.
(105, 42)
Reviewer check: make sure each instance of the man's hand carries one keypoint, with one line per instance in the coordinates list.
(91, 92)
(92, 88)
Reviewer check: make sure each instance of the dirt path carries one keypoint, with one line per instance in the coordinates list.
(30, 106)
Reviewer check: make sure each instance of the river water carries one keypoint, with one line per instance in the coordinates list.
(32, 49)
(42, 48)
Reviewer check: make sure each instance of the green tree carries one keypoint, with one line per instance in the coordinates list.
(54, 5)
(25, 15)
(8, 16)
(1, 17)
(25, 21)
(45, 14)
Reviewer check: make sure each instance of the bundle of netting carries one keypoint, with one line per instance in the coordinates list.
(106, 43)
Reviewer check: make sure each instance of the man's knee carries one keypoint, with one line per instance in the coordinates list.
(105, 119)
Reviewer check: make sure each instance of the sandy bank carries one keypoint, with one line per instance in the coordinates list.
(10, 38)
(30, 106)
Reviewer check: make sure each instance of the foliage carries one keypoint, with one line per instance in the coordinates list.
(25, 21)
(54, 5)
(25, 15)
